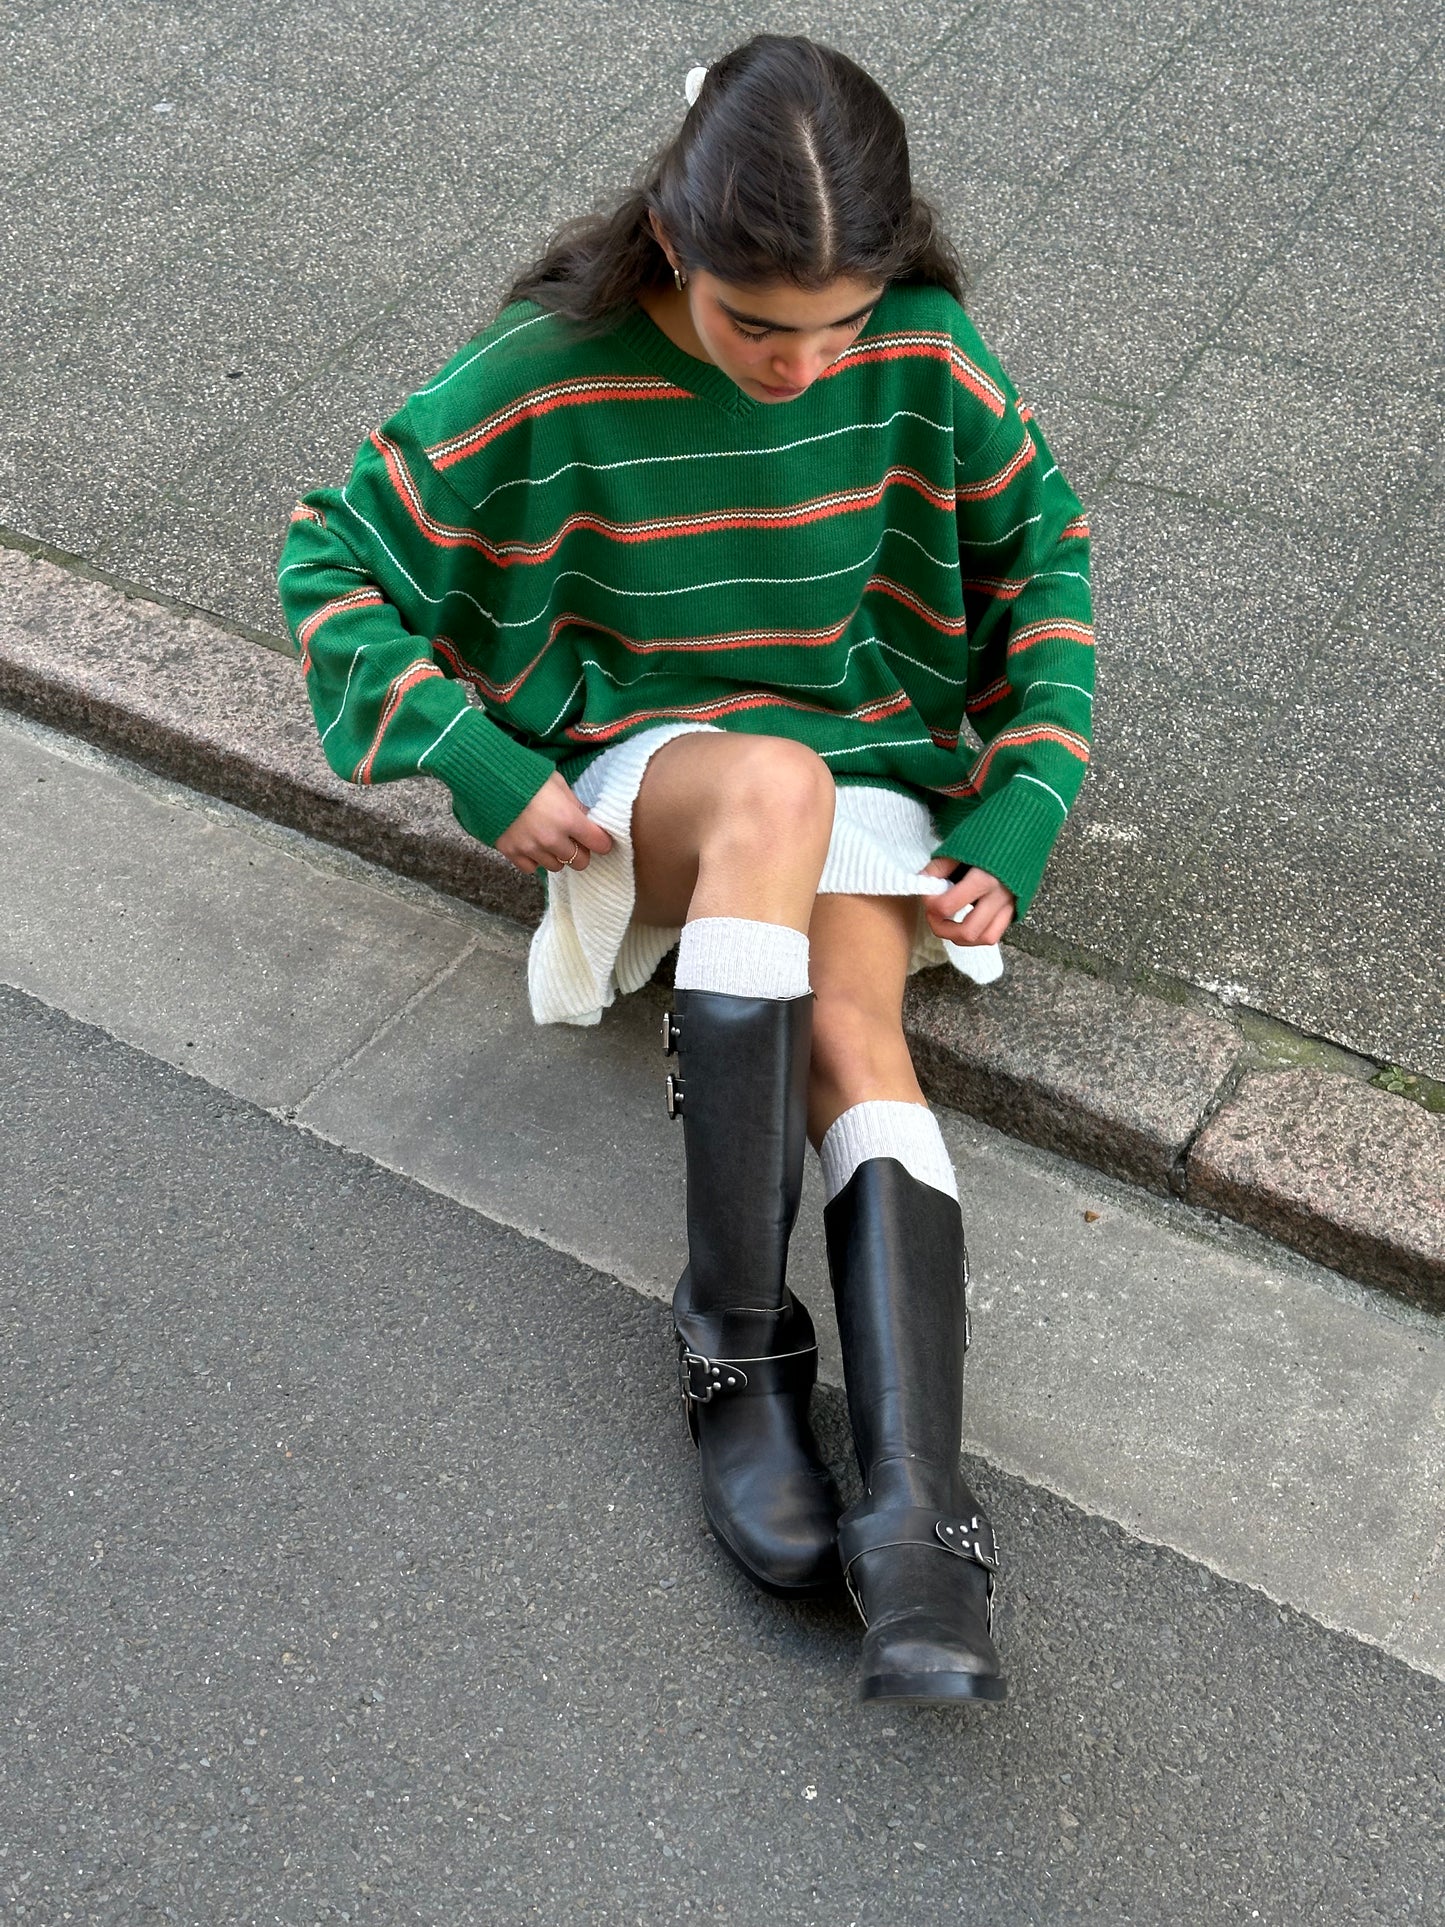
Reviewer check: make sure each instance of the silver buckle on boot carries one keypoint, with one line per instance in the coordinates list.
(674, 1096)
(971, 1538)
(703, 1378)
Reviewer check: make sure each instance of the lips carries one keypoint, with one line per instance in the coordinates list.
(781, 394)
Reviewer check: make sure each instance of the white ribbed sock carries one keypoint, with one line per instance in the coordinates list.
(742, 958)
(884, 1127)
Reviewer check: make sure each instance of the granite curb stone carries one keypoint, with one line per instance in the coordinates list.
(1095, 1070)
(188, 698)
(1098, 1071)
(1345, 1173)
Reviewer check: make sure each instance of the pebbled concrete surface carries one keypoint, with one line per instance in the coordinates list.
(354, 1572)
(1152, 1363)
(1177, 216)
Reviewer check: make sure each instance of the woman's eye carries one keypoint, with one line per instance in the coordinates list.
(851, 327)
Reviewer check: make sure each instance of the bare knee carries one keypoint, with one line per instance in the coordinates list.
(773, 784)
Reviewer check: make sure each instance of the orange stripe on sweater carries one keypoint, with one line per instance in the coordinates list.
(343, 605)
(932, 347)
(1002, 588)
(945, 625)
(996, 483)
(446, 535)
(1011, 739)
(657, 528)
(791, 516)
(875, 712)
(658, 645)
(986, 698)
(408, 679)
(542, 401)
(1051, 629)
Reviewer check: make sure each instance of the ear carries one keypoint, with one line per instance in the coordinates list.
(661, 238)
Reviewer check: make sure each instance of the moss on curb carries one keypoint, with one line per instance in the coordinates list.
(1427, 1092)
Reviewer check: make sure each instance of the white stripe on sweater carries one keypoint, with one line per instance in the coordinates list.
(715, 455)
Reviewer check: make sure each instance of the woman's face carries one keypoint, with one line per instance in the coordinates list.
(775, 341)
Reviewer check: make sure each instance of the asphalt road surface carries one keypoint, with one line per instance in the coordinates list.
(354, 1572)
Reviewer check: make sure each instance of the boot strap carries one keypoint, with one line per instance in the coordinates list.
(703, 1379)
(970, 1538)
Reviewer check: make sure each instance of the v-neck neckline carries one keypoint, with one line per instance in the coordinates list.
(701, 378)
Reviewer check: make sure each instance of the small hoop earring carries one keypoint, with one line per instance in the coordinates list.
(680, 278)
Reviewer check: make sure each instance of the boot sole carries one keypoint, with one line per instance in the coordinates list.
(931, 1689)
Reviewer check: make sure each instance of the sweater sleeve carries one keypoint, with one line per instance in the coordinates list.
(1024, 550)
(367, 575)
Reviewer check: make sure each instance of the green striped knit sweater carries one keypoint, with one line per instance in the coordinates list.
(563, 540)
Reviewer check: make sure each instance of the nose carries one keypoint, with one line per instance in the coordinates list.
(799, 366)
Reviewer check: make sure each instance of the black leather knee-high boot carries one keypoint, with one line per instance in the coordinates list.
(918, 1553)
(747, 1353)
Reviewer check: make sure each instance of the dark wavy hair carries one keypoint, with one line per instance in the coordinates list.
(791, 166)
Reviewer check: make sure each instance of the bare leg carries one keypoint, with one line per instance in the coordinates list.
(859, 965)
(731, 826)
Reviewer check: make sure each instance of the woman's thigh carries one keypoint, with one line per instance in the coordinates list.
(730, 825)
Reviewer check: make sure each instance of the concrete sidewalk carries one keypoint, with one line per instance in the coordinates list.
(1143, 1360)
(236, 236)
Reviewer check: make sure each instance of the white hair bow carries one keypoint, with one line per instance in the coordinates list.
(692, 86)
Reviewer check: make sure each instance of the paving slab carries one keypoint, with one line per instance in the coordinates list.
(1066, 1060)
(1134, 1354)
(969, 119)
(1287, 442)
(225, 959)
(1393, 596)
(1300, 801)
(1301, 1144)
(1324, 297)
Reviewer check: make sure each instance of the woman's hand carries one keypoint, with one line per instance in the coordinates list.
(992, 911)
(553, 827)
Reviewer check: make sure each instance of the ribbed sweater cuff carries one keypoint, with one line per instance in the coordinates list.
(1011, 835)
(491, 776)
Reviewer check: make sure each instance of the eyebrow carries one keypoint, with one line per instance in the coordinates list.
(782, 328)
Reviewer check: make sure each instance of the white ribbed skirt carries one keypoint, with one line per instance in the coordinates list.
(588, 946)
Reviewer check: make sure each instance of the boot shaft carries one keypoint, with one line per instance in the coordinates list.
(744, 1075)
(896, 1256)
